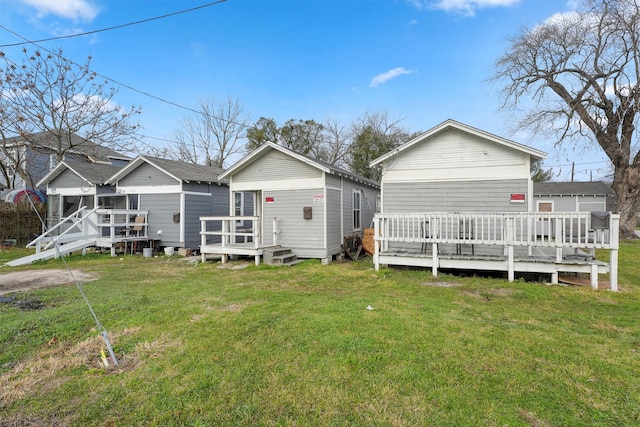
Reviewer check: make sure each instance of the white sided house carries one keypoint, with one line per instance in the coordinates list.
(456, 197)
(301, 204)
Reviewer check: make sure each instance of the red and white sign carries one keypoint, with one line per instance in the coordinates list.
(318, 198)
(517, 198)
(269, 199)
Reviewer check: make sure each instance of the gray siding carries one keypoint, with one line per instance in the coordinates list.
(466, 196)
(334, 229)
(333, 181)
(147, 175)
(305, 237)
(197, 187)
(369, 196)
(274, 165)
(68, 179)
(161, 208)
(195, 207)
(575, 203)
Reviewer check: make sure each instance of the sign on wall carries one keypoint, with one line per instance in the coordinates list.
(269, 199)
(318, 198)
(517, 198)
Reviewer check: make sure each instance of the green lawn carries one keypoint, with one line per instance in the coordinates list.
(200, 346)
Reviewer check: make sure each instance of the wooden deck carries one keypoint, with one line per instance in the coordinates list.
(549, 243)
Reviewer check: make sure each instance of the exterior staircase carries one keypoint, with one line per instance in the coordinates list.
(55, 252)
(277, 255)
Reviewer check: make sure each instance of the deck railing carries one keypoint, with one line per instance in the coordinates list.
(591, 230)
(556, 230)
(230, 230)
(116, 224)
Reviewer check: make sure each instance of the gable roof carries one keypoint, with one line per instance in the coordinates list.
(93, 173)
(181, 171)
(96, 153)
(593, 188)
(447, 124)
(315, 163)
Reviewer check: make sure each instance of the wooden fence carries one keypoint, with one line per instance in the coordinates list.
(19, 223)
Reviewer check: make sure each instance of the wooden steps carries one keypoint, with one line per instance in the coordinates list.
(277, 255)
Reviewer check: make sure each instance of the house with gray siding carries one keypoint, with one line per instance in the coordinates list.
(455, 167)
(36, 156)
(300, 203)
(175, 194)
(572, 196)
(71, 185)
(457, 197)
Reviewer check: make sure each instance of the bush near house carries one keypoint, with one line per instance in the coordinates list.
(19, 224)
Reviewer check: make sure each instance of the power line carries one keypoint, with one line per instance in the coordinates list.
(120, 83)
(115, 27)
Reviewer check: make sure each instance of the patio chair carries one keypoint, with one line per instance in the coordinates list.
(466, 230)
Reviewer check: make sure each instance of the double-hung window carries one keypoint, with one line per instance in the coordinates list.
(357, 210)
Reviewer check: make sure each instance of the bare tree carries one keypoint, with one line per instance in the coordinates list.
(48, 97)
(337, 141)
(372, 136)
(582, 71)
(212, 136)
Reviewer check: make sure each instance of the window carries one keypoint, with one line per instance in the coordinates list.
(357, 209)
(544, 206)
(238, 206)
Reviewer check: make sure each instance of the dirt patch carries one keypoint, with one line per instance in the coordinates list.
(24, 281)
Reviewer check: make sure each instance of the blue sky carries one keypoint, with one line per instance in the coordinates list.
(421, 60)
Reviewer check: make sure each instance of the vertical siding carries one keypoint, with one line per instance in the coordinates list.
(145, 174)
(466, 196)
(161, 208)
(305, 237)
(275, 165)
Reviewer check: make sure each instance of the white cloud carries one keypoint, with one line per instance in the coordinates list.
(465, 7)
(71, 9)
(384, 77)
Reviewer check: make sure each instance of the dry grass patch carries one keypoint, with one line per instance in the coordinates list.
(40, 373)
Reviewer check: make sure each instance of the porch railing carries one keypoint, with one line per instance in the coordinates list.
(557, 230)
(230, 230)
(120, 223)
(81, 223)
(597, 230)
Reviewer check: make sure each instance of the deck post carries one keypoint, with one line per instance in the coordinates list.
(613, 273)
(376, 250)
(511, 275)
(614, 230)
(594, 276)
(203, 239)
(434, 254)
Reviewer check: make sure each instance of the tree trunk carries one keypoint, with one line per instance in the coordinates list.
(627, 190)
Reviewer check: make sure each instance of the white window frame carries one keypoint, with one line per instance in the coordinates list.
(356, 206)
(240, 211)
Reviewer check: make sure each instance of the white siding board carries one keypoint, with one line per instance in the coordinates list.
(276, 166)
(456, 155)
(304, 237)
